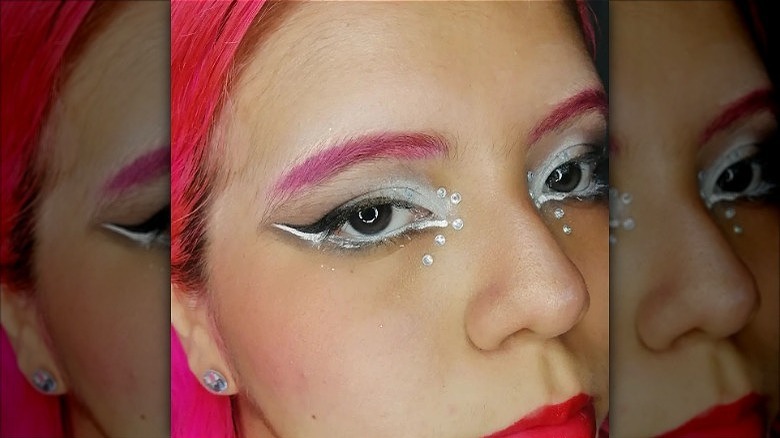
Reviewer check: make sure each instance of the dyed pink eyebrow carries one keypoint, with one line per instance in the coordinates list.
(751, 103)
(580, 103)
(144, 168)
(324, 164)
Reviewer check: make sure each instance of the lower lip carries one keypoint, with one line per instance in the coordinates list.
(573, 418)
(743, 418)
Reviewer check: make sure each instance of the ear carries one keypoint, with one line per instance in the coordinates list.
(191, 320)
(27, 334)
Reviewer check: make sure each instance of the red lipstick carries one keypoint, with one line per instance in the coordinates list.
(742, 418)
(573, 418)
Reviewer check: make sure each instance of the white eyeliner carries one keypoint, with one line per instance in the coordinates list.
(146, 240)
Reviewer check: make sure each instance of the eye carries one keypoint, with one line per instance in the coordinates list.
(745, 171)
(567, 177)
(156, 230)
(372, 219)
(578, 172)
(739, 177)
(380, 220)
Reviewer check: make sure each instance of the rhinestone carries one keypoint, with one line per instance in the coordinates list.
(455, 198)
(214, 381)
(614, 223)
(457, 224)
(566, 229)
(612, 239)
(730, 213)
(626, 198)
(613, 193)
(529, 176)
(738, 229)
(44, 381)
(440, 239)
(629, 224)
(427, 260)
(558, 213)
(442, 192)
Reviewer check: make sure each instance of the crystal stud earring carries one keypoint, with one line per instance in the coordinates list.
(44, 381)
(215, 381)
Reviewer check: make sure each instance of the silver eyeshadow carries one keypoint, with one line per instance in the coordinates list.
(537, 179)
(708, 188)
(430, 211)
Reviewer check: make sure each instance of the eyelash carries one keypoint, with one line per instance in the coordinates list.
(330, 229)
(592, 164)
(154, 231)
(761, 159)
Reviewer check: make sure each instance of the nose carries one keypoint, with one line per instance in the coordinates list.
(533, 286)
(695, 282)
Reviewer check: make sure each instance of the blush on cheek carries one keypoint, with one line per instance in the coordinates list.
(321, 343)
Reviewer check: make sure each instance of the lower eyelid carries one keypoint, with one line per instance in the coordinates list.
(351, 242)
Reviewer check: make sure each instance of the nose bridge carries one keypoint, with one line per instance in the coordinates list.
(696, 282)
(532, 284)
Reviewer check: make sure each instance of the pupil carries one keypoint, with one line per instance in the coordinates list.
(737, 177)
(565, 178)
(372, 220)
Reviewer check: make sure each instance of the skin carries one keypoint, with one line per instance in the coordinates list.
(100, 295)
(321, 343)
(696, 305)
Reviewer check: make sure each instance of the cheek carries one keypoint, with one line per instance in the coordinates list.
(757, 248)
(307, 337)
(105, 306)
(588, 248)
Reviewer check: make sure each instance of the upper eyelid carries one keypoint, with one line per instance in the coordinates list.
(396, 194)
(755, 128)
(154, 193)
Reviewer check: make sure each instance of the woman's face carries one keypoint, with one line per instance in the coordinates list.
(338, 328)
(695, 283)
(100, 291)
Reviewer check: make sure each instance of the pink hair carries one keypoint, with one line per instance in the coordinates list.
(206, 40)
(36, 37)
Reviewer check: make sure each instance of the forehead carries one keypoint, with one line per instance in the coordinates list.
(114, 103)
(335, 68)
(679, 64)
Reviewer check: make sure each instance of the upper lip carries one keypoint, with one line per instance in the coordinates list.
(743, 418)
(578, 407)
